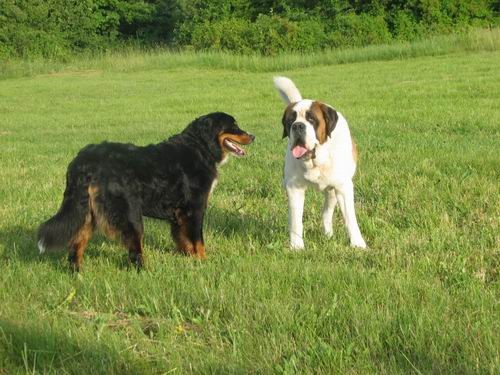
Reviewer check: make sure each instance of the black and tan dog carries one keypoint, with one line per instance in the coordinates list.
(111, 186)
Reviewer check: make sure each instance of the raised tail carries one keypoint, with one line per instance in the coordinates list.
(287, 90)
(60, 229)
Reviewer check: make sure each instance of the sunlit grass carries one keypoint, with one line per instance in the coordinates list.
(423, 299)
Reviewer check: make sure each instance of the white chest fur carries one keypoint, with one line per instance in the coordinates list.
(318, 175)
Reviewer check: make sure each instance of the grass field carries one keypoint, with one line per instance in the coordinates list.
(423, 299)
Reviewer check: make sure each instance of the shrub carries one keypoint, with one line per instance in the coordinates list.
(359, 30)
(272, 34)
(227, 35)
(29, 30)
(55, 28)
(404, 27)
(310, 36)
(268, 35)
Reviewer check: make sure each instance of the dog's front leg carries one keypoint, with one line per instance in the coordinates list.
(345, 196)
(295, 211)
(196, 233)
(187, 232)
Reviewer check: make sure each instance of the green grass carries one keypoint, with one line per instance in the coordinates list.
(423, 299)
(133, 59)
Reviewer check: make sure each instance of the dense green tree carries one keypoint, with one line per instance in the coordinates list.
(54, 28)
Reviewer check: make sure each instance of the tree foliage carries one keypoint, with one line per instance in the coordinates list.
(54, 28)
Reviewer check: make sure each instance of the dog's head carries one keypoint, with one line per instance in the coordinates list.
(308, 124)
(221, 134)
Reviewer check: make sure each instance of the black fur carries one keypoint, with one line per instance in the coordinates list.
(112, 185)
(289, 116)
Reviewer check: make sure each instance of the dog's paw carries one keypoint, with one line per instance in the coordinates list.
(297, 244)
(329, 233)
(359, 243)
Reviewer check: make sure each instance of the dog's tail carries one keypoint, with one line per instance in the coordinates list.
(60, 229)
(287, 89)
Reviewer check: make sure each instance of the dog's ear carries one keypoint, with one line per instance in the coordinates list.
(201, 121)
(288, 118)
(331, 117)
(286, 129)
(206, 120)
(204, 127)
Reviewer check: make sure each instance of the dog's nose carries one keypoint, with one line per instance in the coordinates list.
(252, 137)
(299, 127)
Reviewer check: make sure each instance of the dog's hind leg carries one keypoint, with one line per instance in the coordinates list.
(79, 242)
(345, 196)
(132, 234)
(120, 217)
(133, 240)
(131, 230)
(328, 209)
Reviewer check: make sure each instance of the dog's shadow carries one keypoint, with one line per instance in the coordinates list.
(51, 348)
(19, 242)
(218, 222)
(231, 223)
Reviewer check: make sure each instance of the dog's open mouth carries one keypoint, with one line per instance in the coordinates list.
(301, 152)
(233, 147)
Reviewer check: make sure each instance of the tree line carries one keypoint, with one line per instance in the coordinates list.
(56, 28)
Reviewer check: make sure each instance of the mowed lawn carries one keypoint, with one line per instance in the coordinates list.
(423, 299)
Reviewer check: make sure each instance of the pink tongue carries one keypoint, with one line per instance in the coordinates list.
(298, 151)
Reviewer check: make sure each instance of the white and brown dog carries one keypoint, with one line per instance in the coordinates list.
(320, 153)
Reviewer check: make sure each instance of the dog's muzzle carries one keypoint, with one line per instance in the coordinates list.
(299, 150)
(299, 128)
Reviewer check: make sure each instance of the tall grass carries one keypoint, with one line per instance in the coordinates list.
(134, 59)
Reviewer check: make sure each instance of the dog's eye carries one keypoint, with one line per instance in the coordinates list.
(311, 119)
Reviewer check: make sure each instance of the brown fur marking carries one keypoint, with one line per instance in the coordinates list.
(79, 242)
(181, 234)
(199, 248)
(321, 131)
(242, 139)
(354, 151)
